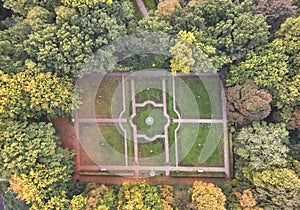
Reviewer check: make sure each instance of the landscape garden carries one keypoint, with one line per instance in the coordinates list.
(150, 104)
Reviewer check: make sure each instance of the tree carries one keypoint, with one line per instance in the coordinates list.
(78, 202)
(224, 32)
(84, 3)
(275, 67)
(289, 34)
(261, 146)
(65, 40)
(267, 66)
(30, 94)
(167, 194)
(12, 53)
(247, 103)
(99, 197)
(294, 122)
(276, 11)
(27, 144)
(23, 6)
(42, 187)
(276, 188)
(139, 195)
(166, 8)
(246, 200)
(207, 196)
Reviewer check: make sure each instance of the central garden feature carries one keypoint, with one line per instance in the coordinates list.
(150, 120)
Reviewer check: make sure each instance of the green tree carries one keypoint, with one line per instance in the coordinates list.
(276, 188)
(42, 187)
(139, 195)
(247, 103)
(78, 202)
(23, 6)
(28, 144)
(64, 41)
(262, 146)
(207, 196)
(99, 197)
(224, 31)
(30, 94)
(84, 3)
(12, 53)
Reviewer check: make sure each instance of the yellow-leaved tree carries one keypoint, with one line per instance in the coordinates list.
(207, 196)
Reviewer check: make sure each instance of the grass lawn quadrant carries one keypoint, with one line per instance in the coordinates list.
(188, 132)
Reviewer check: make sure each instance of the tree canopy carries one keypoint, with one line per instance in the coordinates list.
(207, 196)
(139, 195)
(27, 144)
(30, 94)
(262, 146)
(247, 103)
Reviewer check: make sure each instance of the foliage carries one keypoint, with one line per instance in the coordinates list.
(84, 3)
(276, 11)
(139, 195)
(12, 53)
(247, 103)
(182, 197)
(276, 188)
(224, 31)
(167, 194)
(267, 66)
(42, 187)
(275, 67)
(78, 202)
(207, 196)
(64, 40)
(99, 197)
(11, 202)
(166, 8)
(28, 144)
(23, 6)
(246, 200)
(30, 94)
(261, 146)
(294, 122)
(187, 57)
(289, 34)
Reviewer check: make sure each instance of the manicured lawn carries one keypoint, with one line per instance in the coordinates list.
(200, 95)
(192, 148)
(105, 93)
(146, 148)
(93, 145)
(113, 138)
(151, 94)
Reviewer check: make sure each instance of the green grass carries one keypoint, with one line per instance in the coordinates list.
(192, 95)
(171, 130)
(151, 94)
(193, 152)
(159, 120)
(91, 142)
(106, 90)
(112, 136)
(146, 147)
